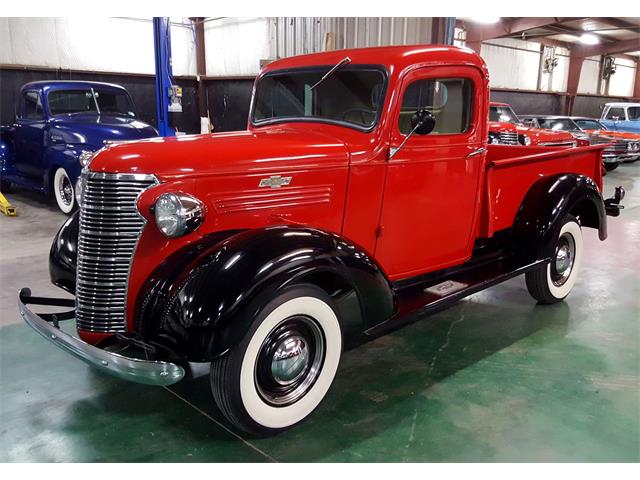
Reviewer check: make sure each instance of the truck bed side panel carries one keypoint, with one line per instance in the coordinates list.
(510, 175)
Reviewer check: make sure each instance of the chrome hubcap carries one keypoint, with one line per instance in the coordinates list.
(290, 360)
(562, 264)
(66, 192)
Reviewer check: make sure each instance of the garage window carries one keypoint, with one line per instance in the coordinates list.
(449, 100)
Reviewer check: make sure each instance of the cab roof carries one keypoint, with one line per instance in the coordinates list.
(46, 85)
(394, 58)
(622, 104)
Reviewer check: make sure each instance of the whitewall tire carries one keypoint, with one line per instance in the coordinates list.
(63, 191)
(551, 283)
(284, 366)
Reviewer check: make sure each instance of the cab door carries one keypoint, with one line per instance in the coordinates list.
(431, 193)
(29, 135)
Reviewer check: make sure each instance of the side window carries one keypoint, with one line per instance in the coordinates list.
(32, 106)
(450, 101)
(615, 112)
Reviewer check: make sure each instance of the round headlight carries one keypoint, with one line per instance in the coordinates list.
(178, 214)
(524, 140)
(85, 158)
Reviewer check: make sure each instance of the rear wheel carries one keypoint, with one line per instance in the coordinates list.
(283, 367)
(611, 166)
(63, 191)
(552, 282)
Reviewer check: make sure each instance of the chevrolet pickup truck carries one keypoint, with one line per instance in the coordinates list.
(363, 196)
(58, 126)
(621, 116)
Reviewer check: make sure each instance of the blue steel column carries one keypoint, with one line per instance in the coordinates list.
(449, 28)
(164, 73)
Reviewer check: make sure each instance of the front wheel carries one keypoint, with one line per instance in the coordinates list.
(283, 367)
(551, 283)
(63, 191)
(611, 166)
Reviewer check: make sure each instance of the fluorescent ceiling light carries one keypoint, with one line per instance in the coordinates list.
(487, 20)
(589, 39)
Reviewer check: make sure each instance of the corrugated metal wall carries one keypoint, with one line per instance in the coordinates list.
(299, 35)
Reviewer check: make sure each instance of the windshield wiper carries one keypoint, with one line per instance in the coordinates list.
(342, 62)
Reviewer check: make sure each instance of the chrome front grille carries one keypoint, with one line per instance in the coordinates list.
(110, 227)
(503, 138)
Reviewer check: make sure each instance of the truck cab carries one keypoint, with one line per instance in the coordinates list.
(621, 116)
(362, 196)
(58, 126)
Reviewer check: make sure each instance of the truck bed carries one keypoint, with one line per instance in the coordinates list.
(511, 170)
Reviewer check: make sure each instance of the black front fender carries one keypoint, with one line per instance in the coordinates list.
(63, 254)
(538, 220)
(202, 301)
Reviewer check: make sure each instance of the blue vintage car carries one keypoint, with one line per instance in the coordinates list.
(624, 117)
(58, 126)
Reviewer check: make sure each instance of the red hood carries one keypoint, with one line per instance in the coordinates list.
(222, 153)
(501, 127)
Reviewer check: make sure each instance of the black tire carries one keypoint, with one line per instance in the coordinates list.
(245, 398)
(611, 166)
(552, 282)
(5, 186)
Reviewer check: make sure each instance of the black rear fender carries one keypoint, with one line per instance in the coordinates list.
(548, 201)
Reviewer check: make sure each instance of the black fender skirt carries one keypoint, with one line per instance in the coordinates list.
(201, 300)
(538, 220)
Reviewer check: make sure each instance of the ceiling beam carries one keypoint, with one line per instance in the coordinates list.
(622, 46)
(510, 27)
(617, 22)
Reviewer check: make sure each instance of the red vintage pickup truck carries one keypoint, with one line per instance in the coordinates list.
(362, 196)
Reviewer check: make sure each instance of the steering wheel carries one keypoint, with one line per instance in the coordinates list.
(364, 113)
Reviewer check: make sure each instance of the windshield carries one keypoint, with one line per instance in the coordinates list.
(558, 124)
(633, 113)
(590, 125)
(503, 114)
(351, 96)
(65, 102)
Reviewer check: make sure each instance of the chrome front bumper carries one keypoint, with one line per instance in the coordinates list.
(148, 372)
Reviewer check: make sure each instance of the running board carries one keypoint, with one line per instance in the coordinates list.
(418, 301)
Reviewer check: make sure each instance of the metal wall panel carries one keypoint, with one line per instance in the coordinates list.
(300, 35)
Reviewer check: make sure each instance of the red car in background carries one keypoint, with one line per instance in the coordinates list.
(505, 128)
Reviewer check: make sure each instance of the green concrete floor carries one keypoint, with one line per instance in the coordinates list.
(494, 378)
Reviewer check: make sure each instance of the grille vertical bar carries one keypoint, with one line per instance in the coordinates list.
(110, 227)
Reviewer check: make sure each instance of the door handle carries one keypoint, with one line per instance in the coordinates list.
(479, 151)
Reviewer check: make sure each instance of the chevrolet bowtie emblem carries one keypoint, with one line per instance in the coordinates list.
(275, 181)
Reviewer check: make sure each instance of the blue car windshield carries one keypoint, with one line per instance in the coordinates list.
(66, 102)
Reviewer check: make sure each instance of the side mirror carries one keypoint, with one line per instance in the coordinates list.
(422, 122)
